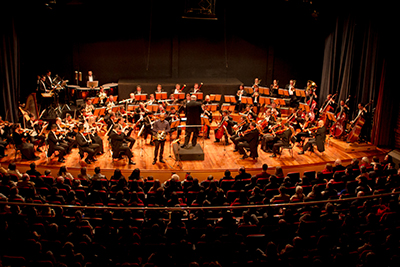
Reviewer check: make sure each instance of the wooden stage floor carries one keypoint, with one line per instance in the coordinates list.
(217, 159)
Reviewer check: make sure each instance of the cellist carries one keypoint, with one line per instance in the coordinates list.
(224, 127)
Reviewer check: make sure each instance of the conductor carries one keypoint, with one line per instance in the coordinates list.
(193, 113)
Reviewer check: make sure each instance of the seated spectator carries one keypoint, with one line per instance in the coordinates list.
(211, 190)
(354, 164)
(14, 195)
(25, 181)
(281, 197)
(220, 199)
(227, 176)
(279, 172)
(315, 193)
(337, 166)
(97, 174)
(287, 182)
(303, 181)
(263, 173)
(241, 199)
(298, 195)
(12, 169)
(242, 175)
(195, 187)
(187, 182)
(60, 184)
(256, 196)
(330, 213)
(328, 168)
(117, 175)
(63, 172)
(135, 201)
(55, 196)
(329, 191)
(84, 175)
(363, 184)
(156, 185)
(207, 182)
(348, 174)
(32, 171)
(365, 162)
(273, 183)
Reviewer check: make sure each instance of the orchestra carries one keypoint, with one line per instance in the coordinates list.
(284, 120)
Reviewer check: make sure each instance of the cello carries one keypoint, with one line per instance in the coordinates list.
(358, 124)
(219, 132)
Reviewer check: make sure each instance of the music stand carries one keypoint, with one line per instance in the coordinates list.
(284, 92)
(161, 96)
(92, 84)
(247, 100)
(300, 92)
(199, 96)
(99, 111)
(141, 97)
(179, 96)
(230, 98)
(132, 107)
(212, 107)
(215, 97)
(248, 89)
(304, 107)
(263, 90)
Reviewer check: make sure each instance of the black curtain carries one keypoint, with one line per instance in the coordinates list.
(351, 64)
(9, 70)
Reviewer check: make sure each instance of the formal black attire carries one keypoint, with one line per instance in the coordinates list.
(118, 145)
(193, 113)
(86, 146)
(55, 145)
(284, 140)
(237, 137)
(319, 140)
(229, 124)
(249, 140)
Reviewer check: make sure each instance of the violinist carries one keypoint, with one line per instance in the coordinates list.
(85, 144)
(249, 140)
(303, 132)
(127, 131)
(275, 110)
(225, 126)
(62, 131)
(239, 128)
(268, 121)
(96, 139)
(273, 89)
(36, 127)
(55, 144)
(89, 108)
(118, 145)
(283, 136)
(319, 139)
(249, 113)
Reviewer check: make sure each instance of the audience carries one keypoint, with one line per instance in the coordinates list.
(352, 233)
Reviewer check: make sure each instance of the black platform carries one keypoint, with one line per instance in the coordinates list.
(210, 85)
(191, 153)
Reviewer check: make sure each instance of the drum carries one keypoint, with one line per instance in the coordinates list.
(113, 87)
(82, 92)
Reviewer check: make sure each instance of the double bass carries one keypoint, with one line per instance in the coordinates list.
(325, 109)
(311, 86)
(356, 130)
(338, 127)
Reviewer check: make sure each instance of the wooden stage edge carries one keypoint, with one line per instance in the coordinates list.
(218, 159)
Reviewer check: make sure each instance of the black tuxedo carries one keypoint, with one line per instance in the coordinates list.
(319, 140)
(193, 113)
(85, 146)
(118, 145)
(284, 139)
(55, 145)
(249, 140)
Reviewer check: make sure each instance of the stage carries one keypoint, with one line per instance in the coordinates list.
(217, 158)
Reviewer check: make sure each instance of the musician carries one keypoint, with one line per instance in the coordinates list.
(139, 90)
(127, 131)
(207, 114)
(239, 128)
(193, 112)
(240, 92)
(48, 80)
(256, 99)
(102, 95)
(362, 112)
(118, 145)
(173, 116)
(160, 129)
(310, 91)
(319, 139)
(43, 88)
(329, 104)
(55, 144)
(96, 139)
(131, 99)
(195, 89)
(158, 89)
(146, 123)
(283, 136)
(249, 113)
(151, 100)
(36, 126)
(273, 89)
(292, 93)
(89, 108)
(65, 141)
(275, 110)
(342, 107)
(249, 140)
(256, 82)
(86, 145)
(177, 89)
(110, 103)
(90, 77)
(225, 125)
(268, 121)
